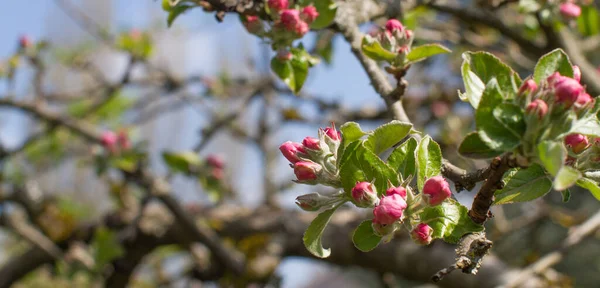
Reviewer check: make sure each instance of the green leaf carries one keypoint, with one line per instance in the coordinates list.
(326, 9)
(420, 53)
(373, 50)
(551, 155)
(590, 185)
(293, 72)
(364, 238)
(387, 135)
(449, 220)
(493, 132)
(106, 247)
(479, 68)
(589, 126)
(314, 232)
(174, 12)
(556, 60)
(523, 185)
(181, 161)
(512, 118)
(429, 160)
(565, 178)
(403, 158)
(566, 195)
(285, 72)
(351, 132)
(473, 147)
(361, 164)
(588, 22)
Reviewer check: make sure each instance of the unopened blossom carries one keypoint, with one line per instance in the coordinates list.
(576, 73)
(393, 25)
(311, 143)
(277, 5)
(570, 10)
(306, 171)
(422, 234)
(24, 41)
(332, 133)
(364, 194)
(537, 107)
(577, 142)
(584, 100)
(290, 151)
(109, 140)
(567, 90)
(253, 24)
(528, 86)
(396, 190)
(389, 209)
(215, 161)
(435, 190)
(309, 14)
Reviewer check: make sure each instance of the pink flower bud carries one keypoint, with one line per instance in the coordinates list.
(364, 194)
(123, 140)
(567, 90)
(408, 34)
(528, 86)
(277, 5)
(217, 173)
(290, 18)
(109, 140)
(597, 141)
(253, 24)
(284, 55)
(576, 73)
(301, 28)
(584, 101)
(309, 14)
(332, 133)
(570, 10)
(436, 190)
(577, 142)
(215, 161)
(396, 190)
(392, 25)
(537, 107)
(290, 151)
(554, 78)
(306, 171)
(389, 209)
(311, 143)
(403, 50)
(422, 234)
(24, 41)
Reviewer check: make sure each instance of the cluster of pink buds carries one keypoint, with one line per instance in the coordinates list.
(291, 20)
(399, 204)
(569, 10)
(556, 93)
(396, 39)
(115, 143)
(216, 165)
(314, 160)
(25, 42)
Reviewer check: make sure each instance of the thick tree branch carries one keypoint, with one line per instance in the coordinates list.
(463, 179)
(480, 209)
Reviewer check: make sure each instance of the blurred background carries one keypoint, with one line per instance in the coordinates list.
(199, 73)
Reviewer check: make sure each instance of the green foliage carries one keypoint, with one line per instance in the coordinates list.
(364, 237)
(182, 162)
(474, 147)
(387, 135)
(314, 232)
(420, 53)
(551, 155)
(373, 49)
(403, 158)
(591, 185)
(555, 61)
(523, 185)
(566, 177)
(293, 72)
(449, 220)
(492, 131)
(478, 69)
(176, 10)
(588, 23)
(429, 160)
(106, 247)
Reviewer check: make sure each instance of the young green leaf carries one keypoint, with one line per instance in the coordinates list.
(361, 164)
(552, 155)
(181, 161)
(591, 186)
(555, 61)
(523, 185)
(314, 232)
(588, 23)
(493, 132)
(106, 247)
(373, 50)
(351, 132)
(177, 10)
(364, 238)
(285, 72)
(449, 220)
(589, 125)
(403, 158)
(387, 135)
(420, 53)
(429, 160)
(326, 9)
(479, 68)
(511, 117)
(565, 178)
(473, 147)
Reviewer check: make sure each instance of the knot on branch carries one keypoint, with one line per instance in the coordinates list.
(469, 255)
